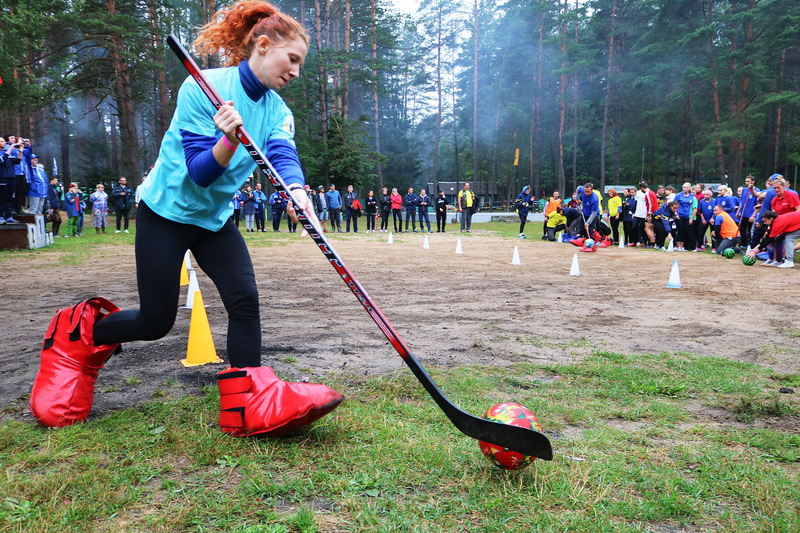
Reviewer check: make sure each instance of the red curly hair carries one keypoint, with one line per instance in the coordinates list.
(234, 31)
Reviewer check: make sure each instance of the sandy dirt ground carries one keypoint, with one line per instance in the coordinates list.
(472, 308)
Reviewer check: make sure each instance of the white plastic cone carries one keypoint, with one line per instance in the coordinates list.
(426, 245)
(671, 248)
(559, 236)
(674, 277)
(515, 258)
(458, 246)
(575, 270)
(187, 261)
(622, 243)
(391, 240)
(193, 287)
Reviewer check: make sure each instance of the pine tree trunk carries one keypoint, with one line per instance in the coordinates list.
(604, 136)
(439, 101)
(376, 114)
(322, 76)
(475, 100)
(123, 93)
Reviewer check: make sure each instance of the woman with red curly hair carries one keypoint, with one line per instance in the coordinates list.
(185, 205)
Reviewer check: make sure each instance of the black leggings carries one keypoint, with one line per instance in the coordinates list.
(522, 220)
(160, 247)
(384, 220)
(397, 218)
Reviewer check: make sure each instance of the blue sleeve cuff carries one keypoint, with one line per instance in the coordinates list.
(199, 153)
(283, 156)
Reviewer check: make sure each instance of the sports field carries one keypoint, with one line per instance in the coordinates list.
(663, 405)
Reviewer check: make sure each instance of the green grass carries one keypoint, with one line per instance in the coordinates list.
(631, 454)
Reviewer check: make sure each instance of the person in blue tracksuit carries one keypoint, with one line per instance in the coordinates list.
(590, 208)
(663, 220)
(746, 211)
(278, 206)
(522, 205)
(411, 202)
(236, 202)
(687, 210)
(37, 187)
(261, 207)
(706, 209)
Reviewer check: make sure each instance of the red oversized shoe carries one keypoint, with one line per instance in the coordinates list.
(585, 249)
(63, 391)
(578, 242)
(605, 243)
(254, 400)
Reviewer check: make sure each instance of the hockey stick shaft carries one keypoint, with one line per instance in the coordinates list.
(520, 439)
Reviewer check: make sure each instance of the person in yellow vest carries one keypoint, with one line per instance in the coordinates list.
(467, 204)
(614, 212)
(555, 222)
(552, 205)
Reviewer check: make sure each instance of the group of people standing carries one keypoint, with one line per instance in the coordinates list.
(331, 206)
(26, 189)
(693, 217)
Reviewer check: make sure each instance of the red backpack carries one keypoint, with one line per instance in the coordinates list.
(64, 387)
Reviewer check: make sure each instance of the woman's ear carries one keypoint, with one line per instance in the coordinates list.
(263, 43)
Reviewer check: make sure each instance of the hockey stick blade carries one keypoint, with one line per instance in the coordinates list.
(522, 440)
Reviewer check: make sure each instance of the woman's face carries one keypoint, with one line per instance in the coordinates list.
(276, 64)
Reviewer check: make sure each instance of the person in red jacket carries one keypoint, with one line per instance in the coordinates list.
(397, 207)
(784, 227)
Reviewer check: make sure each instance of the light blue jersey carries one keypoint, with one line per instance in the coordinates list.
(170, 192)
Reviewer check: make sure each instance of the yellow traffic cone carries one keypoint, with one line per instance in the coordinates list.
(201, 345)
(184, 275)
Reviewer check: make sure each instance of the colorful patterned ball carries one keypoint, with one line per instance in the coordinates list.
(515, 415)
(729, 253)
(589, 243)
(749, 260)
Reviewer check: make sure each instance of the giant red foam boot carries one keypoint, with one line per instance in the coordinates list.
(254, 400)
(63, 391)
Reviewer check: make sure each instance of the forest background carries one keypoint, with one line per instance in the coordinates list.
(543, 92)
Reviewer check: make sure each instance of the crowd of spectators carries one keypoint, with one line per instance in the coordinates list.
(750, 220)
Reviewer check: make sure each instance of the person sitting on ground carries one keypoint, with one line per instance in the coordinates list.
(557, 222)
(725, 230)
(784, 227)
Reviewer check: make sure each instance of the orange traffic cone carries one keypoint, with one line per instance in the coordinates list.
(184, 275)
(201, 345)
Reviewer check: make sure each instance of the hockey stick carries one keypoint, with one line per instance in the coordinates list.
(522, 440)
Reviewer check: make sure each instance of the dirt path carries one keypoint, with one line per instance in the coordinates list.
(473, 308)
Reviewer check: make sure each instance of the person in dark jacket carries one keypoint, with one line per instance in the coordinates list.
(249, 209)
(350, 211)
(441, 211)
(411, 201)
(663, 221)
(122, 200)
(55, 204)
(523, 206)
(370, 211)
(423, 202)
(9, 157)
(278, 206)
(385, 202)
